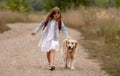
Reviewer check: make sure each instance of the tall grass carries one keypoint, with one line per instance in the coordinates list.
(101, 30)
(11, 17)
(36, 17)
(3, 26)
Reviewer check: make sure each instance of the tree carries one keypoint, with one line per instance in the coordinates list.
(18, 5)
(64, 4)
(36, 5)
(117, 2)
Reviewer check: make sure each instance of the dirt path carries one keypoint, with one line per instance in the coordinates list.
(20, 56)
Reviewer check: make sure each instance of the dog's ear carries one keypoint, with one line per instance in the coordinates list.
(76, 44)
(66, 43)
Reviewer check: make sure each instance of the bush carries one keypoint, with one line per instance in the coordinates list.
(3, 26)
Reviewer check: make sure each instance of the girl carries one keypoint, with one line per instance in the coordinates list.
(50, 39)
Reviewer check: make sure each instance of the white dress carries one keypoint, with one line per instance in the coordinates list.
(48, 42)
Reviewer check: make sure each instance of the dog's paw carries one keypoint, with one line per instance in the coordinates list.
(69, 66)
(66, 66)
(72, 68)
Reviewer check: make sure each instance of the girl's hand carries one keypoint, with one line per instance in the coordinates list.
(33, 34)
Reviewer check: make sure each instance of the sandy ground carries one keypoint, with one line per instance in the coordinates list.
(20, 56)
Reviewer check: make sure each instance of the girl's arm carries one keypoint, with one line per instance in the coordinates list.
(39, 27)
(64, 30)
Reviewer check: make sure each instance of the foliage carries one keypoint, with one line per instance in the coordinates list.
(38, 5)
(3, 26)
(16, 5)
(117, 2)
(19, 5)
(65, 4)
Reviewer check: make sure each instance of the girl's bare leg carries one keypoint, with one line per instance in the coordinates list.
(48, 57)
(52, 56)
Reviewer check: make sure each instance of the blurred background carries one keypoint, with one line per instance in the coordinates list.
(97, 20)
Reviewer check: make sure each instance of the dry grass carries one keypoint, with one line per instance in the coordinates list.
(101, 29)
(12, 17)
(3, 26)
(73, 17)
(36, 17)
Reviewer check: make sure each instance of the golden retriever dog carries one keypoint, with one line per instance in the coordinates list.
(69, 52)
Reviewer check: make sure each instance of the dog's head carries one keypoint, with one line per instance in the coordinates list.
(71, 44)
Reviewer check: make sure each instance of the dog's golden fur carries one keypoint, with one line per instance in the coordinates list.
(69, 51)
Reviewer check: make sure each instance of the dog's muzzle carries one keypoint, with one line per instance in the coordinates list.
(70, 49)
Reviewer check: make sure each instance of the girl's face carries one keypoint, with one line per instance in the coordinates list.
(56, 15)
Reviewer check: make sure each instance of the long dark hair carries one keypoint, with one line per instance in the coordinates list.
(50, 17)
